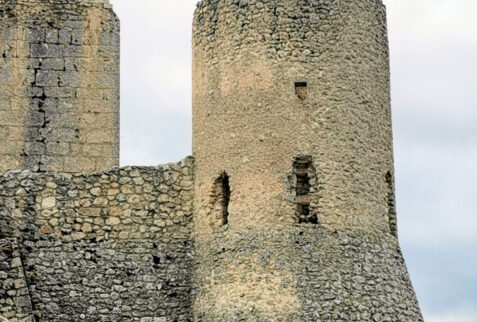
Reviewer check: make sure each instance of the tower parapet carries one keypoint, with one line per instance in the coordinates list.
(59, 85)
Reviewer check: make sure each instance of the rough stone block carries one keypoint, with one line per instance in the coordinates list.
(45, 50)
(37, 35)
(10, 119)
(47, 78)
(57, 148)
(53, 64)
(64, 36)
(51, 36)
(73, 51)
(70, 79)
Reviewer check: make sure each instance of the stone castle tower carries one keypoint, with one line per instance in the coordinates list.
(59, 85)
(286, 211)
(292, 134)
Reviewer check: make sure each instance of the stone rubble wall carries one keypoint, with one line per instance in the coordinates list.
(112, 246)
(305, 273)
(352, 275)
(15, 300)
(59, 86)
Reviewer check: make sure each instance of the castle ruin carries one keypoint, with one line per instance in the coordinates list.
(285, 211)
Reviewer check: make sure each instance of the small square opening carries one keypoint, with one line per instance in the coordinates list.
(301, 90)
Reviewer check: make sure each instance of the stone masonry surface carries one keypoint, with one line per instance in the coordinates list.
(112, 246)
(285, 212)
(276, 83)
(249, 122)
(59, 86)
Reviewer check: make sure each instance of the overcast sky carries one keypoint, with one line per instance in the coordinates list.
(434, 97)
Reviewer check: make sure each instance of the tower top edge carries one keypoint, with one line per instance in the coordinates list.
(377, 6)
(200, 3)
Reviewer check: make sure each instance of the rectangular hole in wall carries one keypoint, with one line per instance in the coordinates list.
(391, 203)
(301, 90)
(302, 170)
(221, 199)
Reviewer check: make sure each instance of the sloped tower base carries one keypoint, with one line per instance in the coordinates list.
(304, 274)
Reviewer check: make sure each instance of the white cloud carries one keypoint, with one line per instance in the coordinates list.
(453, 317)
(155, 80)
(434, 74)
(433, 50)
(434, 19)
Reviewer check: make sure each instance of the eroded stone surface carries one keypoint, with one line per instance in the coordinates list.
(59, 86)
(286, 214)
(102, 246)
(276, 82)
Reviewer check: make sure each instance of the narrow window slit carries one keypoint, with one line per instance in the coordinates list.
(221, 199)
(301, 90)
(156, 260)
(391, 203)
(302, 171)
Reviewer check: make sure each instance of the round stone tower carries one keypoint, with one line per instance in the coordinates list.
(59, 85)
(292, 139)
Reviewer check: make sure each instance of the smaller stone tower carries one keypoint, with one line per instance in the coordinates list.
(59, 85)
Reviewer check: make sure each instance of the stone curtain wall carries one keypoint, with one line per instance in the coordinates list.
(105, 247)
(59, 86)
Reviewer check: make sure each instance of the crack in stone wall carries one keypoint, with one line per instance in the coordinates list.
(61, 113)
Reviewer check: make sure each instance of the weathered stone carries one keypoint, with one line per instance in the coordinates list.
(112, 221)
(292, 183)
(86, 228)
(54, 222)
(96, 191)
(115, 211)
(100, 202)
(91, 246)
(49, 202)
(46, 229)
(16, 262)
(19, 283)
(58, 55)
